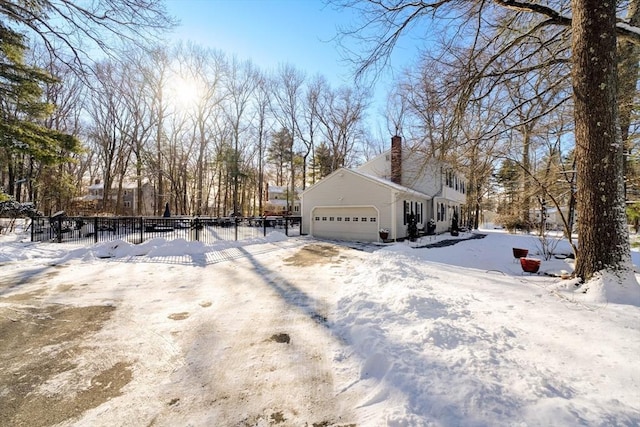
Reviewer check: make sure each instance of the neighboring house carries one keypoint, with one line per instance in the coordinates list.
(278, 200)
(94, 198)
(382, 194)
(553, 220)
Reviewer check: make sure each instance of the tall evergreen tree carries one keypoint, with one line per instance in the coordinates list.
(322, 162)
(279, 153)
(22, 134)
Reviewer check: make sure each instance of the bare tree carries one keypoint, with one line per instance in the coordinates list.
(429, 95)
(206, 69)
(157, 79)
(109, 131)
(310, 122)
(532, 97)
(261, 107)
(135, 93)
(341, 118)
(179, 167)
(240, 88)
(287, 98)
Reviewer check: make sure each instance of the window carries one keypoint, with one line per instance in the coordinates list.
(331, 218)
(355, 219)
(127, 204)
(324, 218)
(347, 219)
(317, 218)
(418, 212)
(405, 211)
(339, 219)
(372, 219)
(364, 219)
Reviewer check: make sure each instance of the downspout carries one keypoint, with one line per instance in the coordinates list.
(434, 214)
(394, 207)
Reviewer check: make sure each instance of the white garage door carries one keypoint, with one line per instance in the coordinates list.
(345, 223)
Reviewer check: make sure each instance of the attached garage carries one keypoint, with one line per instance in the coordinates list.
(355, 223)
(349, 205)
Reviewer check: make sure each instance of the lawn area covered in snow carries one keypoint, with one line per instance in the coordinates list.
(300, 332)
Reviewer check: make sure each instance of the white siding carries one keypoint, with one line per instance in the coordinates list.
(350, 194)
(346, 189)
(379, 166)
(423, 177)
(427, 177)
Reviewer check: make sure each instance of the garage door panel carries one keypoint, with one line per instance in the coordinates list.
(359, 224)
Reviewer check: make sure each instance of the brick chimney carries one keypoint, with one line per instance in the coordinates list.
(396, 159)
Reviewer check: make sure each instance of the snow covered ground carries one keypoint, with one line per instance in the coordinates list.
(299, 332)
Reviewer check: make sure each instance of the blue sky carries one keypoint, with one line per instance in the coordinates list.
(268, 32)
(273, 32)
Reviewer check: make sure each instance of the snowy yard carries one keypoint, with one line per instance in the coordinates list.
(300, 332)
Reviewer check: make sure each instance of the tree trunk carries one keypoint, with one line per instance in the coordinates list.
(260, 172)
(526, 178)
(603, 235)
(159, 195)
(200, 167)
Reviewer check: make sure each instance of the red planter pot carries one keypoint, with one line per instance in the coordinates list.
(530, 265)
(520, 253)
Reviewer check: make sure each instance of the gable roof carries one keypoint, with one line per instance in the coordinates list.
(125, 185)
(377, 180)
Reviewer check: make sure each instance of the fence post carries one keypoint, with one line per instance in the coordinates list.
(95, 229)
(264, 226)
(286, 225)
(57, 229)
(197, 228)
(141, 230)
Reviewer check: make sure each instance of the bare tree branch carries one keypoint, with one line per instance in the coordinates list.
(72, 30)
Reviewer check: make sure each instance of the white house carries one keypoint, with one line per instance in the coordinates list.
(553, 220)
(278, 201)
(382, 194)
(92, 202)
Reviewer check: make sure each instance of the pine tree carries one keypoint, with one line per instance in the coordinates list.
(21, 108)
(322, 162)
(279, 153)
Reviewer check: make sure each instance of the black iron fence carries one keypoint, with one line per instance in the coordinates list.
(61, 228)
